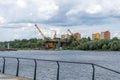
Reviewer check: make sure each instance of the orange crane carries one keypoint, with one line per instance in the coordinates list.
(40, 31)
(54, 36)
(74, 35)
(70, 32)
(49, 43)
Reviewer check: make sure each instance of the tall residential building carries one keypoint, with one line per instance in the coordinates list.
(106, 35)
(65, 36)
(77, 35)
(102, 35)
(95, 36)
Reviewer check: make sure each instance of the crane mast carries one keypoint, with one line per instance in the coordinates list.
(40, 31)
(54, 35)
(70, 32)
(49, 43)
(74, 36)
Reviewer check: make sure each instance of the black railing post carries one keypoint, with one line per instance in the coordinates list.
(18, 63)
(93, 75)
(35, 69)
(4, 61)
(58, 70)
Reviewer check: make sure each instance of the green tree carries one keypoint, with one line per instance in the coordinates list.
(84, 40)
(89, 39)
(104, 47)
(114, 45)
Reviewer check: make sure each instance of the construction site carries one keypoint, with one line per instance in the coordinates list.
(58, 43)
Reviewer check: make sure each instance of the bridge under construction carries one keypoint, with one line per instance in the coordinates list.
(56, 42)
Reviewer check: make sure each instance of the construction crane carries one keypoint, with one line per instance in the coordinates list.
(49, 43)
(74, 35)
(70, 32)
(54, 36)
(40, 31)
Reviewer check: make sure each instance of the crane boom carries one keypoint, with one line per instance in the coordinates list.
(54, 35)
(74, 35)
(49, 44)
(40, 31)
(70, 32)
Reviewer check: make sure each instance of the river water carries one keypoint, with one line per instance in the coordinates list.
(68, 71)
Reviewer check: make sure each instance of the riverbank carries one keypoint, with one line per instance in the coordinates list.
(11, 77)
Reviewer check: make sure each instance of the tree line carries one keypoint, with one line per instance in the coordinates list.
(85, 44)
(88, 44)
(32, 43)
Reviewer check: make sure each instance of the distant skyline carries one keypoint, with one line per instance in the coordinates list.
(17, 17)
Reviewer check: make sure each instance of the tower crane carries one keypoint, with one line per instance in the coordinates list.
(40, 31)
(48, 42)
(70, 32)
(54, 36)
(74, 35)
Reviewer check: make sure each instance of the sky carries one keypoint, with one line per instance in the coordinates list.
(17, 18)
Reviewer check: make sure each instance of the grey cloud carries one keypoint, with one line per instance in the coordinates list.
(82, 17)
(16, 15)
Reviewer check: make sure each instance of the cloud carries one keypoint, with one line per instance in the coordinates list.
(17, 17)
(86, 12)
(47, 9)
(60, 12)
(25, 11)
(94, 9)
(2, 20)
(21, 3)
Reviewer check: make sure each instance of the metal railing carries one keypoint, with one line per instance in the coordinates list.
(58, 66)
